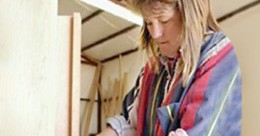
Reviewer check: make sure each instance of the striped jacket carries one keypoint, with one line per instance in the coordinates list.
(209, 105)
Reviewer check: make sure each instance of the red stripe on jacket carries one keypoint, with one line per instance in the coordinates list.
(195, 95)
(145, 87)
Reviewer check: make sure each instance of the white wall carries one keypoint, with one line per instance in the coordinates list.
(244, 30)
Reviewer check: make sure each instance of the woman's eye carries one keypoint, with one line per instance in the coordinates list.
(164, 21)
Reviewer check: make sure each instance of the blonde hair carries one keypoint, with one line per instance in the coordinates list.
(197, 20)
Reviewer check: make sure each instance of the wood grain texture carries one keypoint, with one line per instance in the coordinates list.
(35, 70)
(63, 96)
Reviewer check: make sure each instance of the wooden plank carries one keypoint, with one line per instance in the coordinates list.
(122, 92)
(107, 102)
(114, 97)
(109, 97)
(125, 82)
(89, 108)
(103, 103)
(63, 99)
(119, 90)
(75, 77)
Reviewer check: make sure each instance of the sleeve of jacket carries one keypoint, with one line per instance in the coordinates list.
(212, 105)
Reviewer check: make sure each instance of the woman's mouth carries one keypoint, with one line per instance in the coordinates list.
(163, 42)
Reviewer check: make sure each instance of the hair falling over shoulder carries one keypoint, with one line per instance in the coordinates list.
(197, 20)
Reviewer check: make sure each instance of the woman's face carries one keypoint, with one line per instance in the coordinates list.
(164, 25)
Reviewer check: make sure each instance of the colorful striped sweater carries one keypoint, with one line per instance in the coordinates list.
(209, 105)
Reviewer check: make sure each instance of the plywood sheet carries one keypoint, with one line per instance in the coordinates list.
(36, 70)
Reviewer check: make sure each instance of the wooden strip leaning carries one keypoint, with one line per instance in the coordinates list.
(89, 107)
(75, 75)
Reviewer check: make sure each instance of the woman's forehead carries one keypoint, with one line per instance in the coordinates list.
(157, 9)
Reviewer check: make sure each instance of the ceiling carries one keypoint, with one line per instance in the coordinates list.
(105, 35)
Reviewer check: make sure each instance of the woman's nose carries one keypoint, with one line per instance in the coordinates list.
(156, 31)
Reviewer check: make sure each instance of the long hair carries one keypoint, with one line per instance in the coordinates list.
(197, 20)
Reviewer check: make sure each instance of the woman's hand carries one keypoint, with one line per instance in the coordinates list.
(178, 132)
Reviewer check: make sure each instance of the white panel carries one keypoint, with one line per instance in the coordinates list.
(115, 21)
(87, 75)
(94, 30)
(223, 7)
(114, 46)
(134, 34)
(244, 31)
(102, 26)
(34, 68)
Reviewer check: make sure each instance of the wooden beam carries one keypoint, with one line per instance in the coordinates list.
(125, 30)
(96, 13)
(90, 59)
(88, 63)
(225, 17)
(87, 100)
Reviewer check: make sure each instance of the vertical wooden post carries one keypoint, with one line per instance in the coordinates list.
(75, 76)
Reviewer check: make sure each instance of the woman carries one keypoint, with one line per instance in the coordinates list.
(191, 85)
